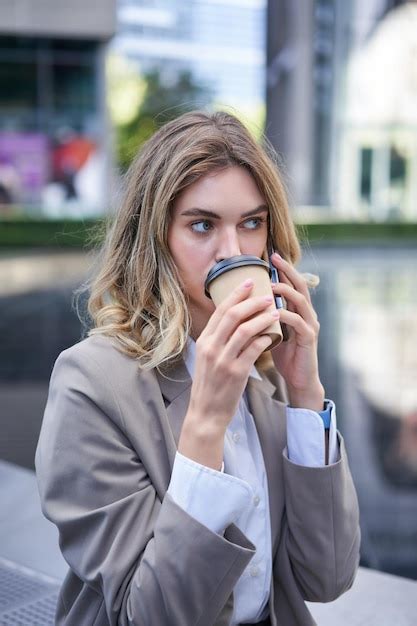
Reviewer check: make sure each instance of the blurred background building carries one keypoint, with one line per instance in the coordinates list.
(55, 156)
(342, 103)
(321, 68)
(222, 42)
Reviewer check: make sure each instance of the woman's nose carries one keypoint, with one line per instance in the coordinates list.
(229, 246)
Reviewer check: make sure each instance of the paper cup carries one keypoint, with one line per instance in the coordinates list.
(228, 274)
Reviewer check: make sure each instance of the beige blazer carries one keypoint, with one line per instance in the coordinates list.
(104, 461)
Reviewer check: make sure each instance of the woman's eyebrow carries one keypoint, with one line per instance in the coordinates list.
(197, 211)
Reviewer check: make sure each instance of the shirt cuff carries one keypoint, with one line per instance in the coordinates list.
(213, 498)
(306, 438)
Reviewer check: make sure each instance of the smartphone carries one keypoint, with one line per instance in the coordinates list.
(275, 279)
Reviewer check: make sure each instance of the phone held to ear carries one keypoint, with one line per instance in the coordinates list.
(275, 279)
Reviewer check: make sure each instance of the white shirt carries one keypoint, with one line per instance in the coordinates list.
(239, 492)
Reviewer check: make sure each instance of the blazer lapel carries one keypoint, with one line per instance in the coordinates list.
(175, 384)
(270, 420)
(269, 415)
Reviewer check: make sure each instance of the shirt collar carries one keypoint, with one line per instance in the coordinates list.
(190, 357)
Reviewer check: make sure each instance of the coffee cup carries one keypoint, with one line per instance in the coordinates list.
(228, 274)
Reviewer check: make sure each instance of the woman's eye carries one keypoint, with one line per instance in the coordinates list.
(255, 222)
(202, 227)
(200, 231)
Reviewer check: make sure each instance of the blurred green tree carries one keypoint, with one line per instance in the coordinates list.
(160, 103)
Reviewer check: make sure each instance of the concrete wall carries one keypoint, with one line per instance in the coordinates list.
(95, 19)
(290, 112)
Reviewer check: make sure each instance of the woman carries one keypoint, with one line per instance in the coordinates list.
(183, 464)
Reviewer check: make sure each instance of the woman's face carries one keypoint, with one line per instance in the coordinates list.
(222, 214)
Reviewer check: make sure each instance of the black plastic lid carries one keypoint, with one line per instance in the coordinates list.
(232, 263)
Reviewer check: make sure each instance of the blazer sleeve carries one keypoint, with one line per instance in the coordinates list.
(320, 539)
(319, 550)
(152, 562)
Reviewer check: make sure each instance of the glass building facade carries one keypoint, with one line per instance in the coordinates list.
(54, 148)
(342, 104)
(222, 43)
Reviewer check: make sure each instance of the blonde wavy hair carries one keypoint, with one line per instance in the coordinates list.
(136, 295)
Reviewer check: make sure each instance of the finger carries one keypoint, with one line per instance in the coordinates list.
(253, 350)
(247, 331)
(298, 302)
(236, 316)
(305, 335)
(291, 274)
(239, 294)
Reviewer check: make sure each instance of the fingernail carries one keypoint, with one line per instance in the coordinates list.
(275, 313)
(248, 282)
(277, 256)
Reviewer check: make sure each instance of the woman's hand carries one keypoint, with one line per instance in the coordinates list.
(296, 359)
(226, 350)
